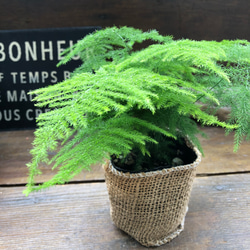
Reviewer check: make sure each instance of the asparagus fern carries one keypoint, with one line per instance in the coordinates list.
(120, 96)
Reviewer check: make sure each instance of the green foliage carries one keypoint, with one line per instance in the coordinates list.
(108, 46)
(121, 96)
(236, 93)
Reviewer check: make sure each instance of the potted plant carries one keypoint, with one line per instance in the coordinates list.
(138, 107)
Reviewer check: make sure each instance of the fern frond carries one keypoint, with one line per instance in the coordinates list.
(108, 46)
(121, 99)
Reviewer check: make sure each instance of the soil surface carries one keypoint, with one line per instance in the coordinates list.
(166, 154)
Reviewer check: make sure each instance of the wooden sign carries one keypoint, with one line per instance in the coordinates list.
(28, 60)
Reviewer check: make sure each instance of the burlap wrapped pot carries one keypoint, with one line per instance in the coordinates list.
(151, 206)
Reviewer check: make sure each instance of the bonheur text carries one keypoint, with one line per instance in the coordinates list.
(34, 51)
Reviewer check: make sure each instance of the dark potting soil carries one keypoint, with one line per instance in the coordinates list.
(167, 154)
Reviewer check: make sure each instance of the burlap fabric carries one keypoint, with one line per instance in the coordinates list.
(151, 207)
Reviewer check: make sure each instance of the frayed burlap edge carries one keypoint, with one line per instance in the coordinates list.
(125, 202)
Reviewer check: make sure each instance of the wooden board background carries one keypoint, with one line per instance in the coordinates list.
(195, 19)
(77, 217)
(218, 149)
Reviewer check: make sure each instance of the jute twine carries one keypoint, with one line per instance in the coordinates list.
(151, 207)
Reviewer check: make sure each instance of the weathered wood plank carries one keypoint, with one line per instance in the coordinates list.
(219, 156)
(218, 148)
(77, 217)
(14, 155)
(195, 19)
